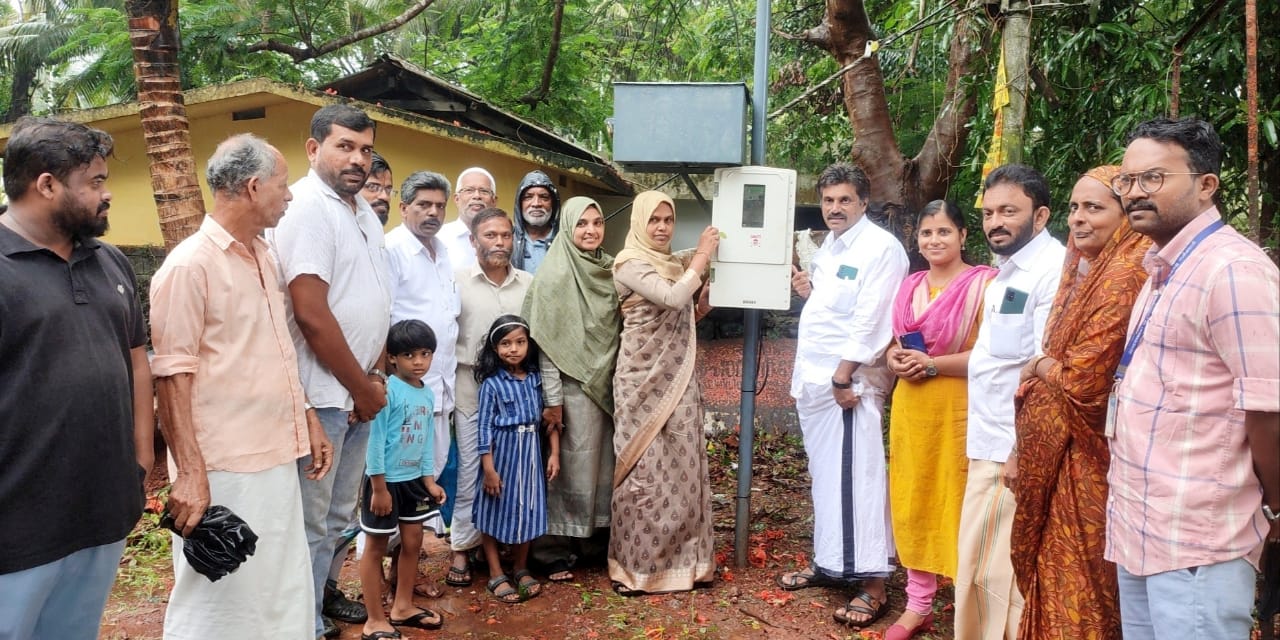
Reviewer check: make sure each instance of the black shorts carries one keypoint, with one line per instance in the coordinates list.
(410, 502)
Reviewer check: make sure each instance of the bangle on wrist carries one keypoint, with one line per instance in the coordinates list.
(841, 385)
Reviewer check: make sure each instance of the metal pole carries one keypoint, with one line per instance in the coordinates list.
(752, 317)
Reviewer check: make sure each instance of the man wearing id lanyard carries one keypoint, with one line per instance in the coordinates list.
(1015, 210)
(839, 384)
(1195, 419)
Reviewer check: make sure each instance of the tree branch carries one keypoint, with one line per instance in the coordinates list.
(553, 52)
(936, 161)
(308, 52)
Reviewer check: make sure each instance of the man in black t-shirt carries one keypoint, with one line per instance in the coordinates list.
(76, 414)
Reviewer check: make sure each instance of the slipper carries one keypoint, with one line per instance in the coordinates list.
(806, 579)
(558, 571)
(380, 635)
(507, 596)
(458, 577)
(876, 613)
(531, 587)
(625, 591)
(423, 619)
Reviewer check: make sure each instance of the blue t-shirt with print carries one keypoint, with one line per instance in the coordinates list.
(400, 436)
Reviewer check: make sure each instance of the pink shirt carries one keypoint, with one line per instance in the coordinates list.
(217, 311)
(1183, 490)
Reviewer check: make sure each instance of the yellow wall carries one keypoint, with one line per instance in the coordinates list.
(133, 213)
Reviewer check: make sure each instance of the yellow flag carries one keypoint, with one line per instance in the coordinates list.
(997, 153)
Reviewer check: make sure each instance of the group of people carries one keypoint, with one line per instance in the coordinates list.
(1086, 438)
(321, 379)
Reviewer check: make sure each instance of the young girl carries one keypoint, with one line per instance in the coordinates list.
(511, 505)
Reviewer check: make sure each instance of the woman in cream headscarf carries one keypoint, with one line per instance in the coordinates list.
(661, 537)
(572, 309)
(1059, 470)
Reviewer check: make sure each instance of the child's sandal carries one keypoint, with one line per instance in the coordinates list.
(531, 587)
(510, 595)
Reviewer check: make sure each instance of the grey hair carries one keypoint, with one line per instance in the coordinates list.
(238, 159)
(418, 180)
(493, 184)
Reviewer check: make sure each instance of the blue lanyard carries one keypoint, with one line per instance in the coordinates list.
(1136, 338)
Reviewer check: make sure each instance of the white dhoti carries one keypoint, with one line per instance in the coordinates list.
(988, 603)
(852, 538)
(270, 595)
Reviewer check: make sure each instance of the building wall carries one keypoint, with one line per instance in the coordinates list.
(133, 213)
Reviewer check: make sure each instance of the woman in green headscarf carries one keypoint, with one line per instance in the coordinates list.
(572, 309)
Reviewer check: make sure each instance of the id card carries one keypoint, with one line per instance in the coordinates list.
(1110, 429)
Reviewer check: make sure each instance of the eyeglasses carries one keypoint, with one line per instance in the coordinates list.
(1149, 181)
(480, 191)
(373, 187)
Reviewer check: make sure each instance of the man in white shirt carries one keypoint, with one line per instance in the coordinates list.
(1015, 210)
(422, 287)
(332, 258)
(477, 191)
(839, 384)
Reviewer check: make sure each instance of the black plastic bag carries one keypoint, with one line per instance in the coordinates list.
(218, 545)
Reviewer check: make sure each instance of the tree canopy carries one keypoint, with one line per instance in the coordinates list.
(1098, 66)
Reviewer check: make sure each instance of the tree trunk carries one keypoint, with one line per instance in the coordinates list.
(153, 31)
(900, 185)
(1016, 42)
(20, 94)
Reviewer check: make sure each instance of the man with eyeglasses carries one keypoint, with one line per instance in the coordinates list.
(477, 191)
(1194, 418)
(378, 188)
(536, 221)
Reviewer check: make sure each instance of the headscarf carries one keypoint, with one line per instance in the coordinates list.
(572, 308)
(639, 246)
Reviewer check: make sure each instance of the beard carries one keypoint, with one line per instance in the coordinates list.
(536, 217)
(78, 221)
(495, 257)
(1019, 239)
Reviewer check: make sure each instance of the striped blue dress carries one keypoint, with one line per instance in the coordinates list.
(510, 418)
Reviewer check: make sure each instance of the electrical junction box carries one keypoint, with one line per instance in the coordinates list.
(754, 208)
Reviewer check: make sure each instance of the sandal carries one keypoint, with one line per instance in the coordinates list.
(339, 607)
(380, 635)
(881, 607)
(509, 595)
(458, 576)
(625, 591)
(423, 619)
(811, 577)
(558, 571)
(530, 587)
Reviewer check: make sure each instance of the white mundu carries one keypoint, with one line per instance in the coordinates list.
(848, 316)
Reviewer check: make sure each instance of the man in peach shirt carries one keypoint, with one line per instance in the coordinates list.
(233, 409)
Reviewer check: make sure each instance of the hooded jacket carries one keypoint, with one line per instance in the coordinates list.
(521, 237)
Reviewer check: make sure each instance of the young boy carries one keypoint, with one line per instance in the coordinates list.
(400, 482)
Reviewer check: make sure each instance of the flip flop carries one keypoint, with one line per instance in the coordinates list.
(806, 579)
(532, 587)
(421, 620)
(380, 635)
(876, 613)
(505, 596)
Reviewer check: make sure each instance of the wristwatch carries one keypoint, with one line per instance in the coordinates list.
(930, 369)
(378, 372)
(841, 385)
(1270, 515)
